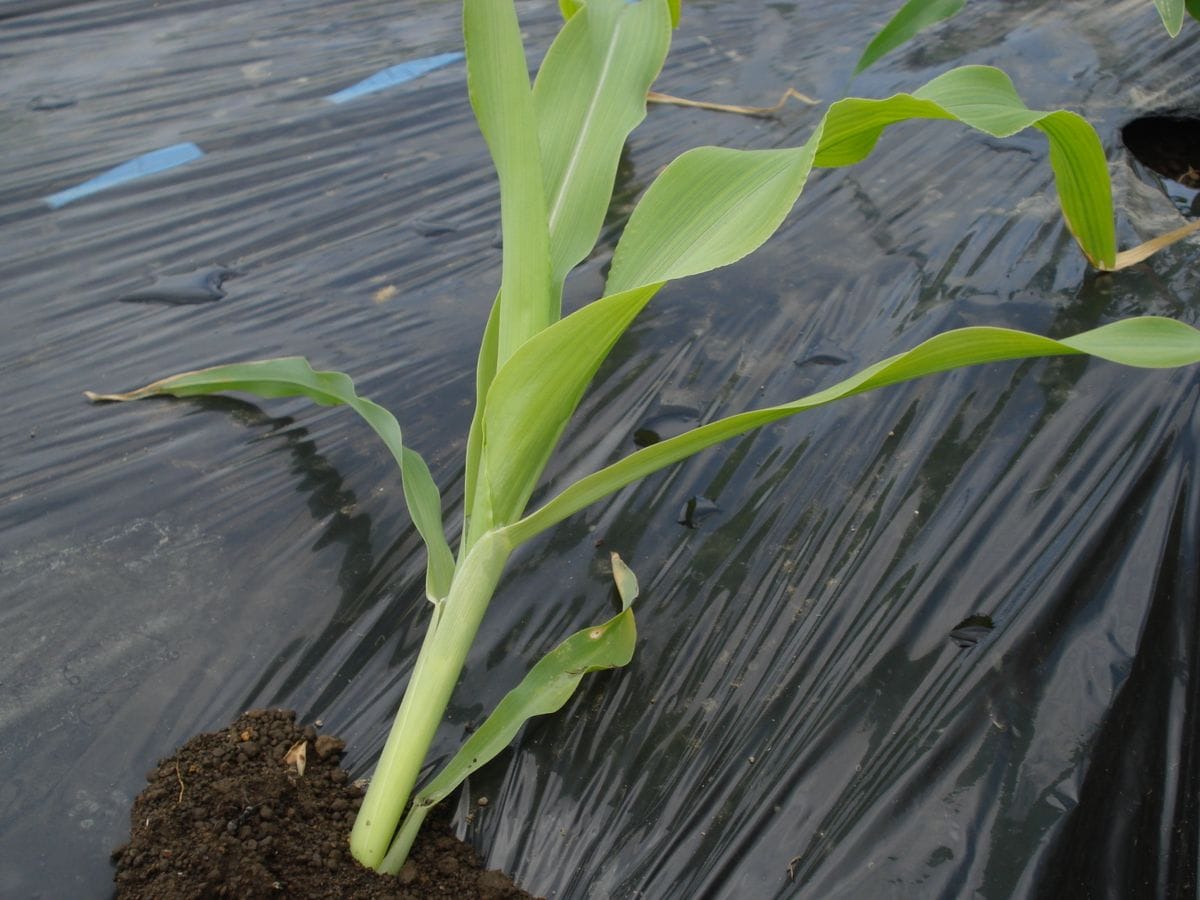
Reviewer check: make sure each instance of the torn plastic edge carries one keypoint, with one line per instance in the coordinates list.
(147, 164)
(394, 75)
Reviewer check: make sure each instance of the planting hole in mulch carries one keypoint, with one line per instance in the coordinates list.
(226, 816)
(1170, 146)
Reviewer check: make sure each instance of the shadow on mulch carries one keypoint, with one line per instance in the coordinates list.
(227, 817)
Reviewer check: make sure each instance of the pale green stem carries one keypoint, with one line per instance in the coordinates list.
(398, 852)
(438, 666)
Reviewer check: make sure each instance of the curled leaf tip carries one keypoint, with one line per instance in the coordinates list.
(626, 580)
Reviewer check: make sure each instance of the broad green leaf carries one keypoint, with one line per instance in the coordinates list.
(535, 393)
(294, 377)
(1171, 12)
(1193, 8)
(1148, 342)
(547, 687)
(498, 84)
(713, 206)
(984, 98)
(709, 208)
(914, 16)
(590, 93)
(533, 396)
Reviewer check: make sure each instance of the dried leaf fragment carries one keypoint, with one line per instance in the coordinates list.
(297, 756)
(790, 93)
(1144, 251)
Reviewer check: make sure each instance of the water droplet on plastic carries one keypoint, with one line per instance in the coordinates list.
(821, 359)
(822, 354)
(971, 630)
(48, 102)
(187, 288)
(696, 510)
(668, 422)
(432, 228)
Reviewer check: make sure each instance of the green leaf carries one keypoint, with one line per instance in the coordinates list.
(498, 84)
(713, 206)
(984, 98)
(1171, 12)
(533, 396)
(543, 691)
(546, 689)
(485, 371)
(1193, 8)
(709, 208)
(294, 377)
(590, 93)
(914, 16)
(1148, 342)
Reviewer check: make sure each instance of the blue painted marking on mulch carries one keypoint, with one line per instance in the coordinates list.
(393, 76)
(139, 167)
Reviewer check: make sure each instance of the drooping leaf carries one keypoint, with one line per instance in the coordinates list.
(712, 206)
(294, 377)
(1171, 12)
(913, 17)
(590, 93)
(544, 690)
(984, 98)
(1148, 342)
(498, 84)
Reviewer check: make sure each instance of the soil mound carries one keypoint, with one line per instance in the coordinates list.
(262, 809)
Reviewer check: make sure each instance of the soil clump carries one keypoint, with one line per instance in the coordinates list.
(227, 816)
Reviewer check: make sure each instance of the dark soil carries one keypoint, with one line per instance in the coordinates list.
(226, 816)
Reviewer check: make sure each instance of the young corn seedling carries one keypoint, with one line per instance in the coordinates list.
(555, 146)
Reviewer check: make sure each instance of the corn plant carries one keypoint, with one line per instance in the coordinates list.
(555, 146)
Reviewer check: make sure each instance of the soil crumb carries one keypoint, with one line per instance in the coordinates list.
(226, 816)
